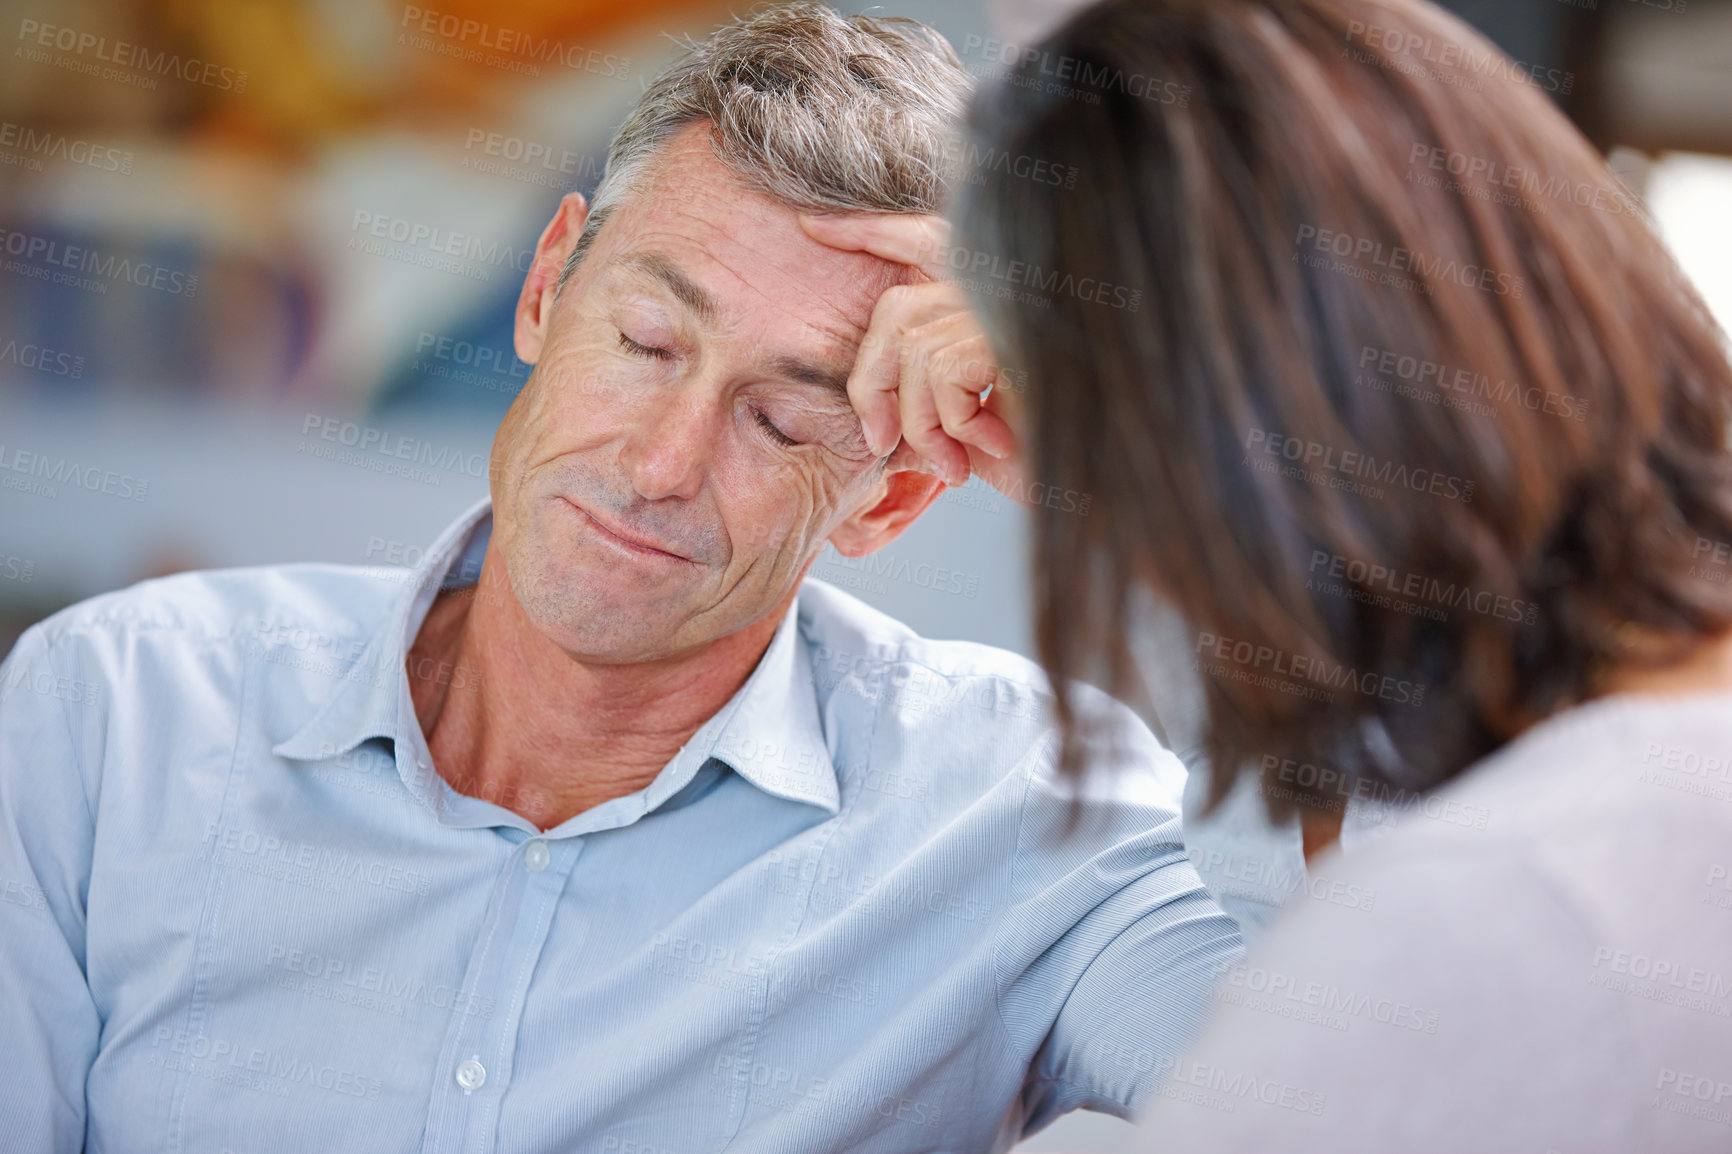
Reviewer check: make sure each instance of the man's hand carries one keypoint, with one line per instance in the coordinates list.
(925, 375)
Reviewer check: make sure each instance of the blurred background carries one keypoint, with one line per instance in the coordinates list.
(244, 242)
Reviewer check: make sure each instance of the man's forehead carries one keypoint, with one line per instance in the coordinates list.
(829, 368)
(745, 249)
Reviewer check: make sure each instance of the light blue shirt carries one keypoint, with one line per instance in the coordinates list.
(239, 911)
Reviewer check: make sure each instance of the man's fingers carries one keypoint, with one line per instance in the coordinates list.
(963, 360)
(905, 458)
(872, 388)
(959, 375)
(982, 432)
(922, 426)
(923, 363)
(1009, 476)
(873, 384)
(898, 237)
(957, 372)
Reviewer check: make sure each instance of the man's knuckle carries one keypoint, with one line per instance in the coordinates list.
(898, 298)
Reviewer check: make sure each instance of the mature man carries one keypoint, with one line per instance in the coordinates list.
(606, 830)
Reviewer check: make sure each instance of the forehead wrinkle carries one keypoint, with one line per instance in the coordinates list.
(840, 324)
(843, 333)
(661, 268)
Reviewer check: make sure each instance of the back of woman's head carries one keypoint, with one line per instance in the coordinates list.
(1365, 363)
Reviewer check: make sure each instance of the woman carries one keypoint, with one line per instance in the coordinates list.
(1372, 371)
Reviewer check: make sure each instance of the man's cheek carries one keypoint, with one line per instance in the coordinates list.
(779, 511)
(765, 535)
(582, 374)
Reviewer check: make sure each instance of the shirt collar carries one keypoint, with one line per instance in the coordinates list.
(369, 701)
(769, 732)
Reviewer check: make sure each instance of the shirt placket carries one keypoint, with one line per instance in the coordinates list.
(475, 1062)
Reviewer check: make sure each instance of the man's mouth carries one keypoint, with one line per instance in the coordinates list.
(624, 538)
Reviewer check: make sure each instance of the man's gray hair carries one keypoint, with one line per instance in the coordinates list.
(825, 113)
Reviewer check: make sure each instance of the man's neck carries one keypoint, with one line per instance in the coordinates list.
(512, 718)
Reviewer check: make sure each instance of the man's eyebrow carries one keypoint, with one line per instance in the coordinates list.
(798, 369)
(661, 268)
(811, 373)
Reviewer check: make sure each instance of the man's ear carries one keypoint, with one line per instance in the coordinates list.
(903, 492)
(535, 302)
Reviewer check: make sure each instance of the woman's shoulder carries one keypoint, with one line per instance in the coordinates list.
(1576, 794)
(1552, 978)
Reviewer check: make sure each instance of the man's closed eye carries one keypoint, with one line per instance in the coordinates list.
(642, 350)
(770, 428)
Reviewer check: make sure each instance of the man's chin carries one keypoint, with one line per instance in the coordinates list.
(610, 618)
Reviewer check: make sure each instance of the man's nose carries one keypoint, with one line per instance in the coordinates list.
(669, 452)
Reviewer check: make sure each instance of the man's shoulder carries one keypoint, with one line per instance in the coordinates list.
(213, 605)
(849, 638)
(1000, 698)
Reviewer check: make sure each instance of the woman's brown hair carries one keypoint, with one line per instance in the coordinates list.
(1365, 363)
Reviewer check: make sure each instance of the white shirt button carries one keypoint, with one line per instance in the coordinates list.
(536, 856)
(470, 1074)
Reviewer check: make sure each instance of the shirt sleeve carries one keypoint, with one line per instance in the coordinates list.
(47, 1017)
(1132, 971)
